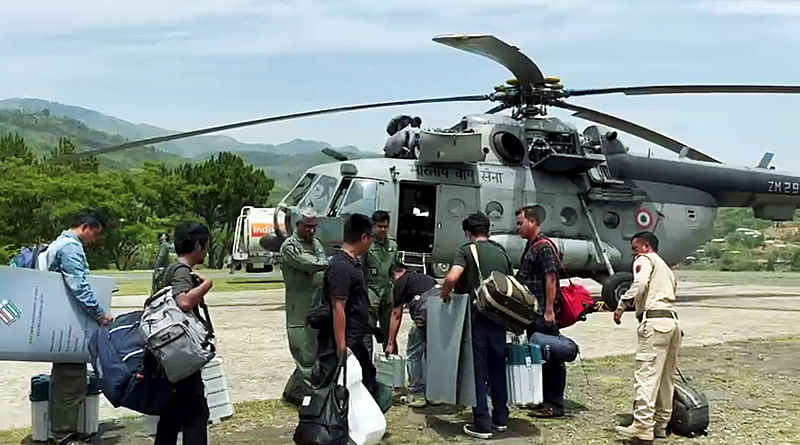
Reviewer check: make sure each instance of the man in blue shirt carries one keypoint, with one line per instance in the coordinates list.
(68, 380)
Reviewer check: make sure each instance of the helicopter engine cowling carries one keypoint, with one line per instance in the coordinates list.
(495, 139)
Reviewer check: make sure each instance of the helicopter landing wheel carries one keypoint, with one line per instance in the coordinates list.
(615, 287)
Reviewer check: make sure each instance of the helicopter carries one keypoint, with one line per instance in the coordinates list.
(591, 193)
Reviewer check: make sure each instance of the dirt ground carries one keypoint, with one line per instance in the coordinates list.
(715, 308)
(751, 387)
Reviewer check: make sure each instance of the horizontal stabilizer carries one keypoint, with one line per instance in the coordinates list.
(765, 160)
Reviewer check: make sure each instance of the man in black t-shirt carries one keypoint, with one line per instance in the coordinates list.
(408, 290)
(188, 409)
(349, 304)
(488, 337)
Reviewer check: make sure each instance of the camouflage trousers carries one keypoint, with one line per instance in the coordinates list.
(303, 347)
(380, 312)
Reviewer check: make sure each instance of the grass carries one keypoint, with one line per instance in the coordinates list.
(138, 282)
(751, 387)
(142, 287)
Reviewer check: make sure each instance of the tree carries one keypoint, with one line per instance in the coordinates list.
(218, 189)
(13, 146)
(38, 200)
(65, 147)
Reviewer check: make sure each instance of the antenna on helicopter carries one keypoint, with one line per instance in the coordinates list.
(334, 154)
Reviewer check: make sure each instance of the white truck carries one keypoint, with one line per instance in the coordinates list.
(252, 224)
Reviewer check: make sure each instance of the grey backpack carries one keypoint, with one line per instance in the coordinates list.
(183, 342)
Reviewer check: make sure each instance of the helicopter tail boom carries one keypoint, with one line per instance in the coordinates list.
(772, 195)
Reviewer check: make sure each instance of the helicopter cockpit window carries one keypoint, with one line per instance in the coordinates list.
(320, 195)
(362, 197)
(293, 198)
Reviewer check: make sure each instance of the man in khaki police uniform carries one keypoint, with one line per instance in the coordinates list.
(652, 293)
(303, 266)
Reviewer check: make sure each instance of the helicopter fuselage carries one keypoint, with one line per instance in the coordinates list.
(591, 194)
(428, 202)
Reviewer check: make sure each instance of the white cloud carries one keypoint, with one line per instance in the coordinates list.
(751, 7)
(274, 27)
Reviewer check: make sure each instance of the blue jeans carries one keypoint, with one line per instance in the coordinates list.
(489, 358)
(416, 360)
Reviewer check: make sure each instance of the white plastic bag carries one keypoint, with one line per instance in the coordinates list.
(364, 417)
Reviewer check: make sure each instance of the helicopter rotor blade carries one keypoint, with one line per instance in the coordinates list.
(636, 130)
(282, 117)
(526, 72)
(688, 89)
(497, 109)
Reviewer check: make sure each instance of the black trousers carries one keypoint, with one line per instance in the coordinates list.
(489, 360)
(187, 412)
(554, 374)
(327, 362)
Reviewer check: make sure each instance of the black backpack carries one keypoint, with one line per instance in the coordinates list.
(689, 410)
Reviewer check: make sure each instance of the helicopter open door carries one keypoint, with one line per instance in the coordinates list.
(453, 204)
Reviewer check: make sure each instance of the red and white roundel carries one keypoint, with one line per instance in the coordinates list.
(644, 219)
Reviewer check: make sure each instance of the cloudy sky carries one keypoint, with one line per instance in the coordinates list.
(184, 64)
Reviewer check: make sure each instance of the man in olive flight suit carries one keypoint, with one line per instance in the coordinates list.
(303, 265)
(378, 261)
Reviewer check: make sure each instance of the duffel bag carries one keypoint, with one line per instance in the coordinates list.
(576, 300)
(555, 347)
(505, 300)
(128, 374)
(689, 410)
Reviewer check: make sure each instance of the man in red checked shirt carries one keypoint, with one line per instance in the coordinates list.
(538, 270)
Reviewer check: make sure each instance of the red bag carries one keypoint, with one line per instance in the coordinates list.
(576, 300)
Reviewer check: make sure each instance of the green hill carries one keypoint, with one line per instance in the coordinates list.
(283, 162)
(189, 148)
(42, 132)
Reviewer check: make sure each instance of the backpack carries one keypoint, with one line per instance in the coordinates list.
(128, 373)
(576, 300)
(183, 342)
(503, 299)
(23, 259)
(28, 256)
(689, 410)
